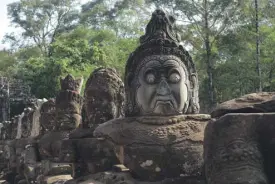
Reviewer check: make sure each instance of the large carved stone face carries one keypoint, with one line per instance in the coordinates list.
(163, 86)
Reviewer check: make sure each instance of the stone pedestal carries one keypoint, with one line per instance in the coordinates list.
(125, 177)
(50, 145)
(267, 141)
(89, 155)
(233, 146)
(155, 148)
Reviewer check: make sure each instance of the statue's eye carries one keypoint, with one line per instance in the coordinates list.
(174, 77)
(150, 78)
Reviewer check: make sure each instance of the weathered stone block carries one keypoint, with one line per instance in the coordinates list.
(51, 168)
(249, 103)
(233, 148)
(94, 153)
(50, 145)
(155, 148)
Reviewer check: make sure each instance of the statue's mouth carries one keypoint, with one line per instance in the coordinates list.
(164, 107)
(164, 102)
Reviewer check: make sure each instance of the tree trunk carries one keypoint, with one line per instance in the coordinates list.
(258, 67)
(211, 89)
(270, 76)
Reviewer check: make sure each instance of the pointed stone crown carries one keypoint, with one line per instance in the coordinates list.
(70, 83)
(160, 27)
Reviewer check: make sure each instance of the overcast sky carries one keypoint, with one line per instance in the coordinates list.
(4, 23)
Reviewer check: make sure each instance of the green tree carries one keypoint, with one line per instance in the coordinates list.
(40, 21)
(127, 18)
(207, 21)
(7, 62)
(77, 52)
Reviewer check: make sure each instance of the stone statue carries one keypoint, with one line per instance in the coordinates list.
(162, 134)
(69, 104)
(47, 117)
(36, 126)
(162, 68)
(19, 126)
(18, 145)
(67, 117)
(30, 163)
(104, 96)
(14, 126)
(9, 151)
(103, 100)
(26, 124)
(7, 130)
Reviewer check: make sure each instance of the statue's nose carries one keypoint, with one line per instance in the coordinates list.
(163, 88)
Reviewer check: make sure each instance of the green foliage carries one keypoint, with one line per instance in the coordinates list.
(125, 17)
(77, 52)
(7, 62)
(41, 74)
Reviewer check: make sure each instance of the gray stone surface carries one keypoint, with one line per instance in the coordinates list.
(250, 103)
(160, 146)
(234, 145)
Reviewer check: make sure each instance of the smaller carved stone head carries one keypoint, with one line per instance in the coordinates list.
(26, 124)
(160, 76)
(14, 126)
(103, 96)
(2, 129)
(69, 83)
(47, 116)
(8, 129)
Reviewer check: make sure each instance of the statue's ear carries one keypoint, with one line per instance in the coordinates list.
(130, 78)
(194, 106)
(193, 81)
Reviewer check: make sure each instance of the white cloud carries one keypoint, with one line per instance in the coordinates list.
(5, 24)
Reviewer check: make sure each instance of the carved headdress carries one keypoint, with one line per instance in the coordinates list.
(69, 83)
(160, 38)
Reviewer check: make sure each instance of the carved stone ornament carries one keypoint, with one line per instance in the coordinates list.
(232, 151)
(239, 142)
(71, 84)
